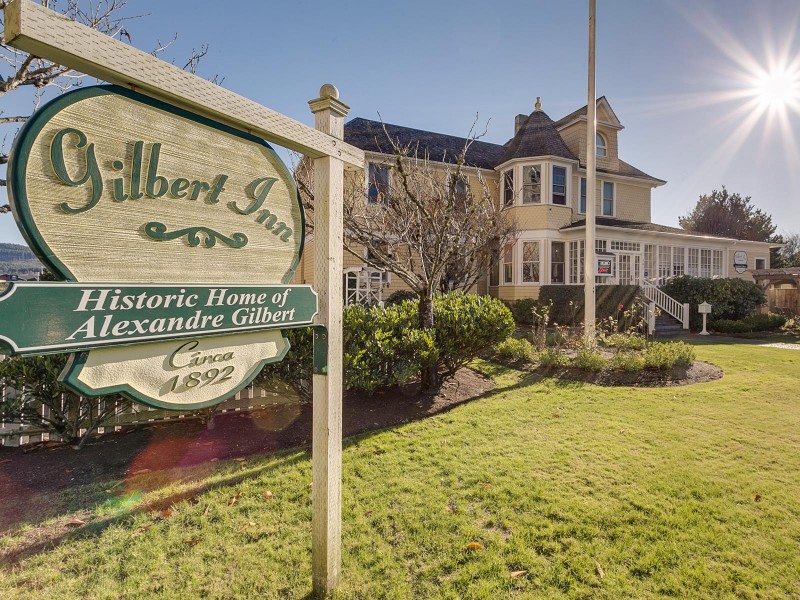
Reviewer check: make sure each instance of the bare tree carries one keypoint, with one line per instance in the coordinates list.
(435, 225)
(20, 70)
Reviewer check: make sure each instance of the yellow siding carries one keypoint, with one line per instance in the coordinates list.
(574, 137)
(633, 201)
(542, 216)
(510, 293)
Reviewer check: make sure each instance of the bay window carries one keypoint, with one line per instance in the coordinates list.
(530, 262)
(557, 260)
(508, 187)
(559, 185)
(532, 184)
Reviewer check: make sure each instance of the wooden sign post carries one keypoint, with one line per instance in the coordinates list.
(36, 29)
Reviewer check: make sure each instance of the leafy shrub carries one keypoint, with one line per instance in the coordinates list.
(733, 299)
(767, 321)
(569, 300)
(624, 341)
(467, 324)
(552, 358)
(72, 418)
(514, 349)
(589, 359)
(383, 346)
(522, 310)
(730, 326)
(556, 338)
(296, 368)
(627, 361)
(400, 296)
(763, 322)
(663, 356)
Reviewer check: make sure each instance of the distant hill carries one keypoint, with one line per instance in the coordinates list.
(16, 259)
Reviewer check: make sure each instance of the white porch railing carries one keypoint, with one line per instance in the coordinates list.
(666, 303)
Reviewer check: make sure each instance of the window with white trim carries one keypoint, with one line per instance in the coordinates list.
(582, 199)
(508, 187)
(378, 192)
(705, 262)
(761, 263)
(608, 198)
(532, 184)
(508, 263)
(649, 261)
(530, 262)
(625, 246)
(716, 263)
(557, 261)
(601, 145)
(694, 262)
(576, 251)
(559, 185)
(664, 262)
(678, 261)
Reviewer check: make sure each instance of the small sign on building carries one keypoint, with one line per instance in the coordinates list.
(605, 265)
(740, 261)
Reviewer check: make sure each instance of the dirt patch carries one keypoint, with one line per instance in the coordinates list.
(178, 449)
(699, 372)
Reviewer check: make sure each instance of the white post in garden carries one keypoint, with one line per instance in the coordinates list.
(685, 322)
(704, 309)
(591, 182)
(329, 114)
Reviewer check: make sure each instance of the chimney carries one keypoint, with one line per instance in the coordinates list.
(519, 121)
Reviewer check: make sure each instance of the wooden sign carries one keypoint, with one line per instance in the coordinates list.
(165, 221)
(109, 185)
(41, 318)
(740, 261)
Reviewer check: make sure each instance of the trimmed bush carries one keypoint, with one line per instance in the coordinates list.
(296, 368)
(608, 301)
(514, 349)
(627, 361)
(466, 325)
(663, 356)
(588, 359)
(764, 322)
(733, 299)
(552, 358)
(624, 341)
(400, 296)
(522, 310)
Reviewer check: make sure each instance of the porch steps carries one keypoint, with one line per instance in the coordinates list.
(667, 326)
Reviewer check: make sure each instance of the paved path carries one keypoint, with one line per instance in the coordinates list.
(784, 345)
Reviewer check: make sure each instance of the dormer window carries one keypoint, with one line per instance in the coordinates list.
(532, 184)
(601, 145)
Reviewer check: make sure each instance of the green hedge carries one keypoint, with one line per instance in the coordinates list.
(385, 347)
(733, 299)
(764, 322)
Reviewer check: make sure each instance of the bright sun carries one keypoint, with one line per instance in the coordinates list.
(778, 88)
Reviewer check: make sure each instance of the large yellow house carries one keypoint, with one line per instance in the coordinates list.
(539, 175)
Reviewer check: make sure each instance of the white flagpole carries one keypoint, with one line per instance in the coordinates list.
(591, 182)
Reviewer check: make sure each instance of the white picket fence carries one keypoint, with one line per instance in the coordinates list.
(253, 397)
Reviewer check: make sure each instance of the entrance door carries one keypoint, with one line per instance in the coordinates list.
(629, 267)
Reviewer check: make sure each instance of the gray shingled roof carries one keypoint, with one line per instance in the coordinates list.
(537, 136)
(370, 136)
(628, 171)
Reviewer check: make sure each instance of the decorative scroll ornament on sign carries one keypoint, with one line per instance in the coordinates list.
(179, 235)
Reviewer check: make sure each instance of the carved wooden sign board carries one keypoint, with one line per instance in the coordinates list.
(176, 236)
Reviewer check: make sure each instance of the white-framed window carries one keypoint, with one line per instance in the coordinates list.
(460, 188)
(576, 253)
(530, 262)
(608, 198)
(625, 246)
(761, 263)
(649, 261)
(557, 262)
(678, 261)
(716, 263)
(582, 197)
(705, 262)
(376, 276)
(532, 184)
(694, 262)
(601, 145)
(508, 187)
(508, 264)
(664, 262)
(559, 185)
(378, 189)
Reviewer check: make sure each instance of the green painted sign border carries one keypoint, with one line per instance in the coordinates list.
(69, 376)
(20, 152)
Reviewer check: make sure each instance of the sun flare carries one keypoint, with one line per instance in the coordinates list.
(778, 88)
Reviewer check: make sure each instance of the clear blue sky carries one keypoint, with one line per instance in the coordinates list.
(667, 67)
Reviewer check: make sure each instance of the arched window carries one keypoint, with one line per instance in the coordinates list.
(601, 145)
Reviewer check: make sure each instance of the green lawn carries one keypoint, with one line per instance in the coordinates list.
(691, 492)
